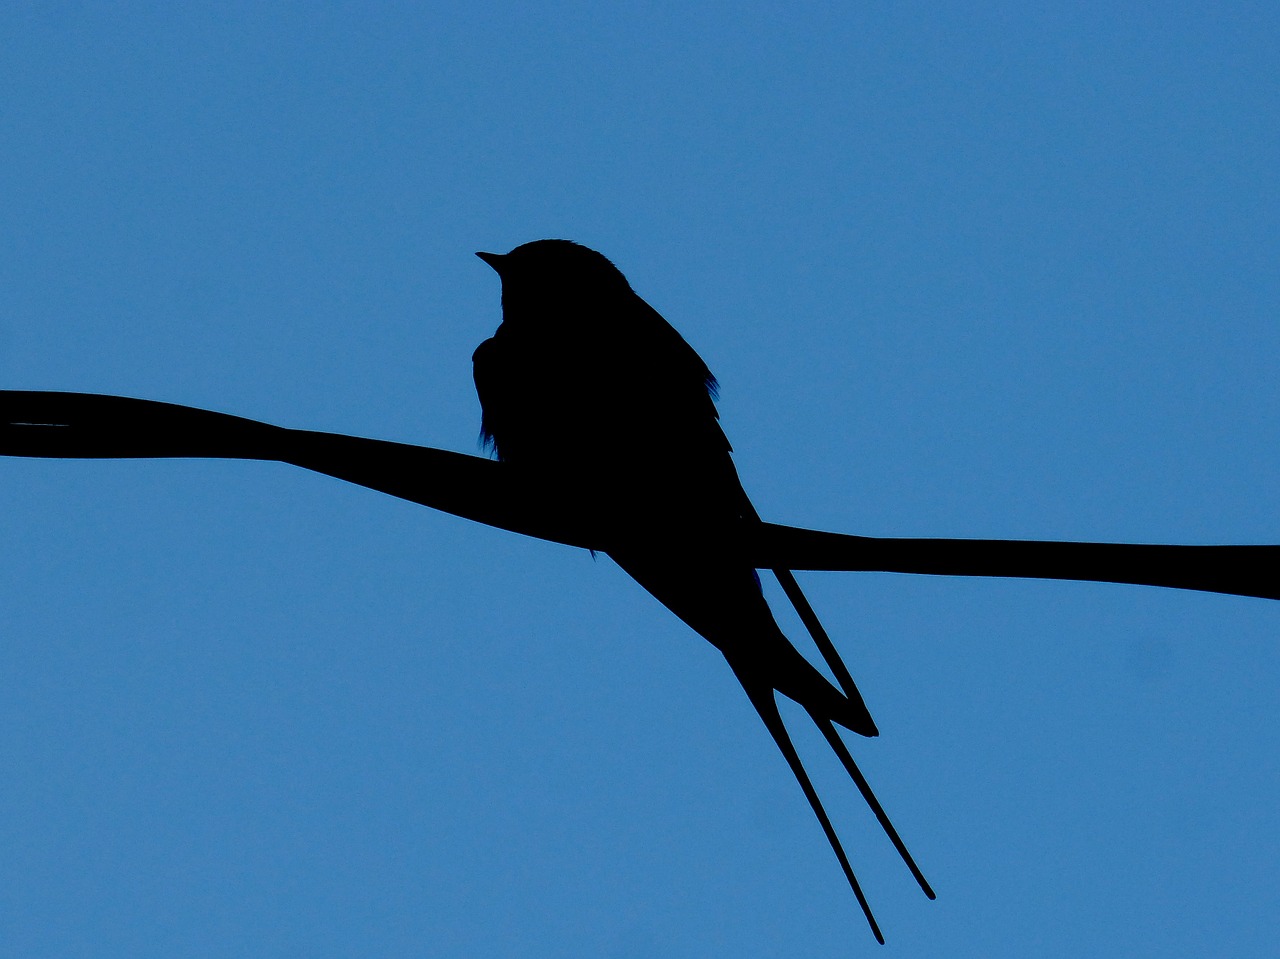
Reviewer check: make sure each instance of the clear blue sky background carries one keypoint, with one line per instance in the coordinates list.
(963, 270)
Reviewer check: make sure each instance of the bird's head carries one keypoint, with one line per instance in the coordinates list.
(554, 274)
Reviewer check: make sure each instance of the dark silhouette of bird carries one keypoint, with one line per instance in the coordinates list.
(588, 390)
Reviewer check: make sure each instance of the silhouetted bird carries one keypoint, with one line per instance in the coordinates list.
(587, 389)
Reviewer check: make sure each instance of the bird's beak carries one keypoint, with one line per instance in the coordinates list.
(494, 260)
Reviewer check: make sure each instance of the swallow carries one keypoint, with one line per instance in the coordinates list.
(591, 393)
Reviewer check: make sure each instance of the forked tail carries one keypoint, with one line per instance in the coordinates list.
(762, 698)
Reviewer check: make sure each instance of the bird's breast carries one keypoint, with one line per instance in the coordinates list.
(610, 419)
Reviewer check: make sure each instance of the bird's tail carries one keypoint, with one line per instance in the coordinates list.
(722, 603)
(761, 694)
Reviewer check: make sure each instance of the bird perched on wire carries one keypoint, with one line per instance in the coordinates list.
(592, 394)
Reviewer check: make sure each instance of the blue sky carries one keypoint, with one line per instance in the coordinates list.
(962, 270)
